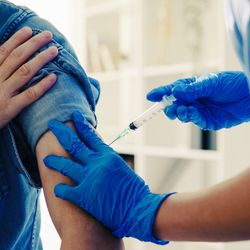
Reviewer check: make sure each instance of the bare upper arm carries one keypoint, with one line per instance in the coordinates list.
(77, 229)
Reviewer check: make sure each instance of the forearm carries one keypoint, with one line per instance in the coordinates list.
(76, 228)
(220, 213)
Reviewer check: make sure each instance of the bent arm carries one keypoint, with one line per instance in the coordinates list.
(219, 213)
(77, 229)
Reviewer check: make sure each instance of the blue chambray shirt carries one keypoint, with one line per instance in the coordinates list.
(19, 177)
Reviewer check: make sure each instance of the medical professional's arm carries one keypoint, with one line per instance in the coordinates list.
(15, 71)
(77, 229)
(109, 190)
(219, 213)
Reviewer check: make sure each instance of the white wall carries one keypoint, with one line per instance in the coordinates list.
(56, 11)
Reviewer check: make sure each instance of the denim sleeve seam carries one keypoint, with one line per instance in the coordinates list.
(16, 155)
(60, 49)
(23, 15)
(59, 63)
(35, 227)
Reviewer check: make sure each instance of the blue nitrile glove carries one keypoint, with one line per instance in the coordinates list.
(213, 101)
(105, 186)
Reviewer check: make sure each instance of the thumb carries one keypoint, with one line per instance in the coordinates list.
(202, 87)
(65, 192)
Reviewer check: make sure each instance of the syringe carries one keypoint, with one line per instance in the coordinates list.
(146, 116)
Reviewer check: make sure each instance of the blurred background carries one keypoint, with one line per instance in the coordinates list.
(132, 46)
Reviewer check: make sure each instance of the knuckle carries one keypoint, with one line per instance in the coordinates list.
(31, 94)
(76, 148)
(88, 136)
(42, 58)
(4, 51)
(17, 53)
(36, 39)
(24, 70)
(64, 167)
(70, 165)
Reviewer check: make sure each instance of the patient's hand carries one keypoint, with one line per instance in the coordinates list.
(15, 72)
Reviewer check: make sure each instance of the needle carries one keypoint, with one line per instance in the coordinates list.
(122, 134)
(146, 116)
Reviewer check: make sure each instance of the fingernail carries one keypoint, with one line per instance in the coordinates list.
(52, 77)
(56, 192)
(47, 34)
(53, 51)
(27, 30)
(148, 95)
(151, 92)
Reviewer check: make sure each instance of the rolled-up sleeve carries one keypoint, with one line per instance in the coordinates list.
(74, 90)
(65, 97)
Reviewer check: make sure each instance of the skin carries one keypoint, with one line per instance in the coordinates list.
(217, 214)
(78, 230)
(15, 72)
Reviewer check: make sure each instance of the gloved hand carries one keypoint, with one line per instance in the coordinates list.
(105, 186)
(212, 101)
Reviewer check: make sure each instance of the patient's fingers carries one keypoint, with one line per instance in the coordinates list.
(22, 53)
(28, 70)
(17, 39)
(22, 100)
(14, 53)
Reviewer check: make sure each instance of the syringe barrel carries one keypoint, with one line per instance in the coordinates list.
(151, 112)
(146, 116)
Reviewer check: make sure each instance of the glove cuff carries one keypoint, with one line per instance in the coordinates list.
(140, 222)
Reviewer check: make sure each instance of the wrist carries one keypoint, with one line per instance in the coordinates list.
(139, 223)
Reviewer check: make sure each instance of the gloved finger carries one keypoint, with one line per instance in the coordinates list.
(87, 134)
(156, 94)
(66, 192)
(183, 114)
(70, 141)
(197, 117)
(65, 166)
(171, 111)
